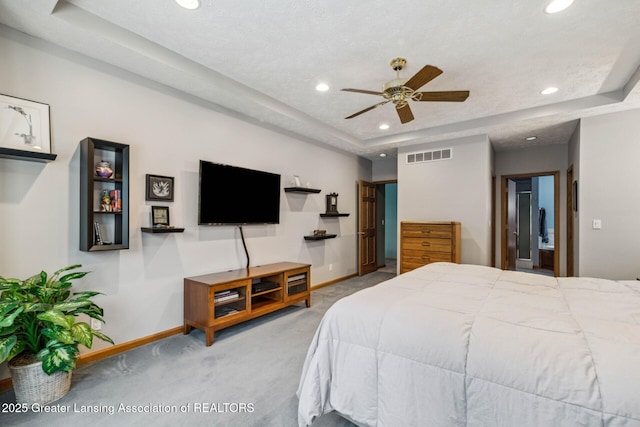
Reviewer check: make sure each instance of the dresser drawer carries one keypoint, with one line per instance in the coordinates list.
(426, 244)
(422, 258)
(427, 230)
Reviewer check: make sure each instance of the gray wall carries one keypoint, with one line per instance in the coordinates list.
(574, 159)
(39, 203)
(385, 169)
(609, 190)
(458, 189)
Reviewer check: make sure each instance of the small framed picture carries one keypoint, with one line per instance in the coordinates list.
(160, 216)
(159, 188)
(24, 125)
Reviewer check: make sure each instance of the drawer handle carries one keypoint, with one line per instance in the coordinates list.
(426, 244)
(426, 258)
(426, 231)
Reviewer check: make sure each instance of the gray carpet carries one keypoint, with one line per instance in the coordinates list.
(255, 365)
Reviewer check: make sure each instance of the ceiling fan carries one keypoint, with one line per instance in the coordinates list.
(400, 90)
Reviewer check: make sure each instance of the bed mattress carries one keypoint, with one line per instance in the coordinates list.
(466, 345)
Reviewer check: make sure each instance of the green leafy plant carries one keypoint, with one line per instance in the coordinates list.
(38, 316)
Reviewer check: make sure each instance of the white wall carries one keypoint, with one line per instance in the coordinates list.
(458, 189)
(608, 190)
(39, 203)
(548, 158)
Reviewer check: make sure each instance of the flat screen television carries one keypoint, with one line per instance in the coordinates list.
(231, 195)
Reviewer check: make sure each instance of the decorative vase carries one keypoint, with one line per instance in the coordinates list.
(103, 169)
(32, 385)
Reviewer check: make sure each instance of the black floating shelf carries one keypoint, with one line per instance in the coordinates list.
(301, 190)
(32, 156)
(161, 230)
(105, 247)
(329, 215)
(326, 236)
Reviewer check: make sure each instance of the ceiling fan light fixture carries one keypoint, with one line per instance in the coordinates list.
(322, 87)
(558, 6)
(549, 90)
(189, 4)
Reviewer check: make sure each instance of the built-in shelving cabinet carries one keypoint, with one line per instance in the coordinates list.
(104, 229)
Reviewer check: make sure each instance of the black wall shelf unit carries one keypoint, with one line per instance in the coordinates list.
(329, 215)
(301, 190)
(32, 156)
(323, 237)
(161, 230)
(113, 225)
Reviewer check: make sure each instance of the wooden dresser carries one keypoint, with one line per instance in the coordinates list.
(422, 243)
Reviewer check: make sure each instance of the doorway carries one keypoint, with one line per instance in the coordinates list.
(377, 226)
(530, 223)
(387, 230)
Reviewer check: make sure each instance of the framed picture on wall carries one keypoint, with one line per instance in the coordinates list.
(160, 216)
(159, 188)
(24, 125)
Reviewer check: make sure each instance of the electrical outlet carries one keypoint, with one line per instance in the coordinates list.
(96, 324)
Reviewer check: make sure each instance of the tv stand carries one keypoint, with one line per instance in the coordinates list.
(219, 300)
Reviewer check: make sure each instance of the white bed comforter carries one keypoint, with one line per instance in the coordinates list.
(465, 345)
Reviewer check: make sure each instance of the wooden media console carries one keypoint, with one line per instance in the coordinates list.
(219, 300)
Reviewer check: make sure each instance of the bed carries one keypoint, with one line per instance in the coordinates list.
(467, 345)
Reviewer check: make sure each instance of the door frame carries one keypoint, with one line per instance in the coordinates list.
(570, 222)
(381, 243)
(366, 232)
(556, 216)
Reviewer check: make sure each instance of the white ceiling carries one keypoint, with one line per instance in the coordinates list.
(261, 60)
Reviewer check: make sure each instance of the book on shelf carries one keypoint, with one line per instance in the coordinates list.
(225, 296)
(297, 277)
(224, 311)
(97, 234)
(116, 200)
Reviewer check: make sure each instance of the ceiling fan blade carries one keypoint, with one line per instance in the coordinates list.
(405, 114)
(367, 109)
(369, 92)
(445, 96)
(422, 77)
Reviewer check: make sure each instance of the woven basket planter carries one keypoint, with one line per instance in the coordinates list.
(32, 385)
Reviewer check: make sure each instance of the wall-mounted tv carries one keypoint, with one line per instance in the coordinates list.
(231, 195)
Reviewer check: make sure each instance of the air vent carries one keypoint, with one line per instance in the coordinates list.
(429, 156)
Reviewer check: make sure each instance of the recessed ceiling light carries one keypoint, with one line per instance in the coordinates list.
(189, 4)
(558, 6)
(383, 126)
(383, 154)
(531, 138)
(322, 87)
(549, 90)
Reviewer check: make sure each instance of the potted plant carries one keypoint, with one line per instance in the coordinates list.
(40, 334)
